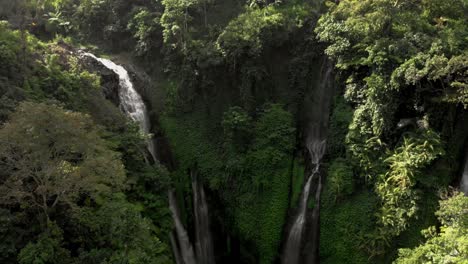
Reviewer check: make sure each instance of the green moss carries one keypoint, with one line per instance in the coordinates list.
(340, 178)
(194, 144)
(341, 225)
(339, 122)
(253, 182)
(273, 215)
(297, 182)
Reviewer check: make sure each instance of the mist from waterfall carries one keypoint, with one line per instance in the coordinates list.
(131, 102)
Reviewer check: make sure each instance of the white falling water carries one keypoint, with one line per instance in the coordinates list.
(318, 109)
(184, 250)
(464, 180)
(204, 243)
(293, 244)
(315, 218)
(175, 249)
(292, 249)
(132, 105)
(316, 150)
(131, 102)
(316, 144)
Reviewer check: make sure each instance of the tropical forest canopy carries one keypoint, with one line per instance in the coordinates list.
(233, 89)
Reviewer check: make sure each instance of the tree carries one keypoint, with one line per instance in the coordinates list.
(247, 35)
(51, 157)
(340, 179)
(396, 188)
(18, 13)
(175, 21)
(450, 245)
(119, 235)
(401, 59)
(145, 27)
(47, 249)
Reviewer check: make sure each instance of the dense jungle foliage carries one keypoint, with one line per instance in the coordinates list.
(228, 85)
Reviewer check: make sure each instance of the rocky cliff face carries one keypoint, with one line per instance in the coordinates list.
(109, 80)
(142, 84)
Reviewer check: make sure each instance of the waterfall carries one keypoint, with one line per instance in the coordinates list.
(464, 179)
(317, 107)
(184, 250)
(204, 243)
(181, 245)
(316, 144)
(131, 102)
(292, 249)
(293, 244)
(176, 249)
(315, 221)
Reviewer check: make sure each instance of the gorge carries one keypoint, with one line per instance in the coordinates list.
(233, 132)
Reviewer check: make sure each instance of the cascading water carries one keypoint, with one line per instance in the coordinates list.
(316, 150)
(293, 244)
(204, 243)
(317, 146)
(131, 102)
(175, 249)
(132, 105)
(318, 108)
(292, 249)
(182, 247)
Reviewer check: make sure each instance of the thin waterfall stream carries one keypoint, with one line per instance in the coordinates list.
(203, 242)
(318, 108)
(184, 249)
(293, 244)
(318, 148)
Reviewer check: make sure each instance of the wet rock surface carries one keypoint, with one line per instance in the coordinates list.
(109, 79)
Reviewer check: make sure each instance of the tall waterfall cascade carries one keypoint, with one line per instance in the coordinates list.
(131, 102)
(317, 107)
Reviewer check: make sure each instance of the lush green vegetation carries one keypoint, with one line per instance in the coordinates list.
(65, 174)
(448, 245)
(251, 165)
(389, 51)
(228, 85)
